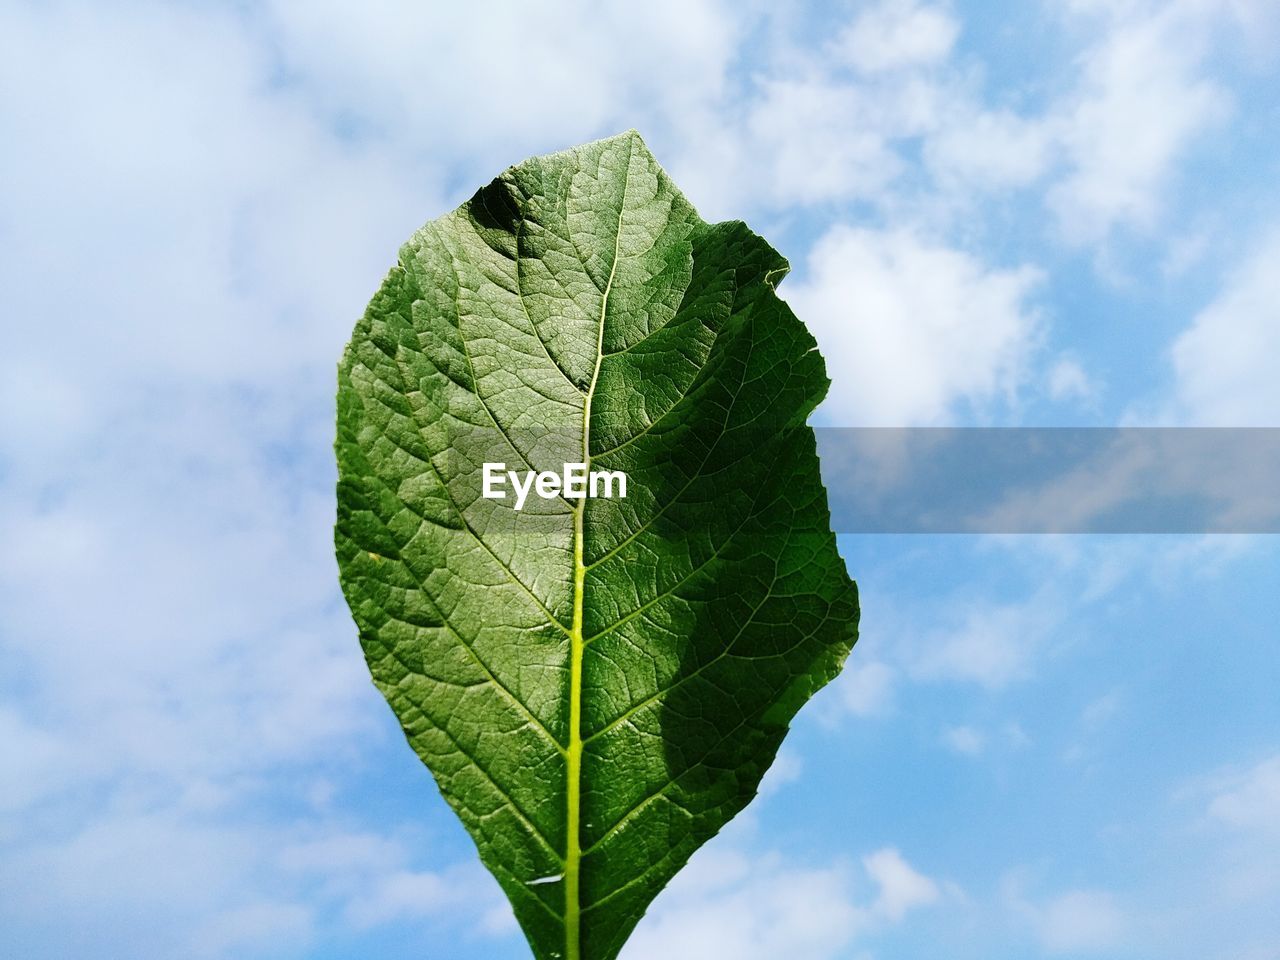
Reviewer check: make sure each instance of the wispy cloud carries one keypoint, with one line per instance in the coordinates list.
(196, 202)
(965, 740)
(1143, 99)
(898, 33)
(889, 301)
(1080, 921)
(1223, 361)
(1250, 800)
(758, 906)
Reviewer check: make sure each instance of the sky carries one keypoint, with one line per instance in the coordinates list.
(1060, 212)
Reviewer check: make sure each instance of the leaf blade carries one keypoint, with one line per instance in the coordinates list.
(597, 686)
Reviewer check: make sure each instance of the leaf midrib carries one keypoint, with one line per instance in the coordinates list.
(577, 647)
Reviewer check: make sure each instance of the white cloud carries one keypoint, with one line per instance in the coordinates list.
(197, 232)
(995, 635)
(257, 928)
(992, 645)
(1016, 736)
(803, 131)
(1100, 712)
(980, 637)
(787, 768)
(1142, 100)
(1071, 922)
(804, 135)
(184, 671)
(727, 903)
(812, 142)
(1238, 814)
(89, 888)
(403, 895)
(898, 33)
(1081, 921)
(911, 328)
(1251, 801)
(167, 515)
(1186, 251)
(1067, 380)
(1110, 138)
(1225, 361)
(993, 149)
(902, 887)
(965, 740)
(173, 880)
(865, 687)
(403, 70)
(36, 762)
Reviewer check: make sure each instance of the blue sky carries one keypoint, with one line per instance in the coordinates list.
(1050, 213)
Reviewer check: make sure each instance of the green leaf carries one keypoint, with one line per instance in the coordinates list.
(597, 685)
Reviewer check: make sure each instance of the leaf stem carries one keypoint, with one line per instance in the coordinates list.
(573, 845)
(573, 851)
